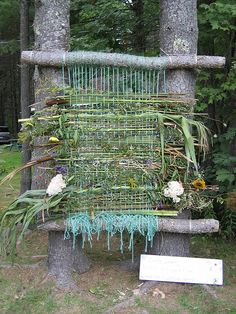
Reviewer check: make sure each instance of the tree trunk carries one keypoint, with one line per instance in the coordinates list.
(178, 35)
(25, 93)
(51, 27)
(172, 244)
(63, 258)
(139, 27)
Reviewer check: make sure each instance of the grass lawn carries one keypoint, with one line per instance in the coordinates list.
(25, 287)
(9, 160)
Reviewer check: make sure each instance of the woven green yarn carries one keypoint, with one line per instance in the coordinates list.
(81, 223)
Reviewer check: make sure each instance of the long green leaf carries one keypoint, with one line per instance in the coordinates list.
(162, 131)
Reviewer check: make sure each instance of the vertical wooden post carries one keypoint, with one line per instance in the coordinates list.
(51, 28)
(178, 36)
(25, 92)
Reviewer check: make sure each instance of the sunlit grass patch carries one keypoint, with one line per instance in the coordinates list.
(9, 160)
(22, 293)
(196, 300)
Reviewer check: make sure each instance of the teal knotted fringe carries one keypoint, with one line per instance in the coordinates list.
(81, 223)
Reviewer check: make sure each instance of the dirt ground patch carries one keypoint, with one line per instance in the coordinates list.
(25, 288)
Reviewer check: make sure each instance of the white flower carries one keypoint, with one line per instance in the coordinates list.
(56, 185)
(215, 135)
(176, 199)
(167, 192)
(173, 190)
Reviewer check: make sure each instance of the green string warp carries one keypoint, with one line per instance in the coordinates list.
(81, 223)
(113, 134)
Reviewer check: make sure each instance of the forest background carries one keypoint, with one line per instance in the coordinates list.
(131, 26)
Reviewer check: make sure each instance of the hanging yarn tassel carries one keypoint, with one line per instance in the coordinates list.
(82, 223)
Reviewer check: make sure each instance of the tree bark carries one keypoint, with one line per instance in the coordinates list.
(64, 257)
(51, 27)
(25, 93)
(173, 243)
(56, 58)
(178, 35)
(171, 225)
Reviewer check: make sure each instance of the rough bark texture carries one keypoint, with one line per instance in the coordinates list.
(196, 226)
(55, 59)
(178, 35)
(63, 258)
(51, 27)
(25, 93)
(173, 243)
(171, 225)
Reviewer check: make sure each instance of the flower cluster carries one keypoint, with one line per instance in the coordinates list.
(56, 185)
(173, 190)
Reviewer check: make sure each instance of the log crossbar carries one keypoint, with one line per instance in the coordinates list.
(58, 58)
(187, 226)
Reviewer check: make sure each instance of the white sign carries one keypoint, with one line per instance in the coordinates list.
(181, 269)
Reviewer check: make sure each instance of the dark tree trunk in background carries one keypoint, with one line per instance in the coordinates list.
(10, 91)
(25, 92)
(139, 34)
(51, 27)
(178, 35)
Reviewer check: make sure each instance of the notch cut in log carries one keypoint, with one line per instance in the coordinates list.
(187, 226)
(59, 58)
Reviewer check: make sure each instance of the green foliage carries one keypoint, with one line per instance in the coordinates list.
(220, 15)
(10, 25)
(9, 19)
(111, 25)
(24, 209)
(9, 47)
(216, 27)
(216, 94)
(99, 25)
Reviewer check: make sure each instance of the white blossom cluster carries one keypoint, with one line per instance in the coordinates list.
(174, 190)
(56, 185)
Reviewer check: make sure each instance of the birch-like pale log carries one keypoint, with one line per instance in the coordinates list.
(196, 226)
(58, 58)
